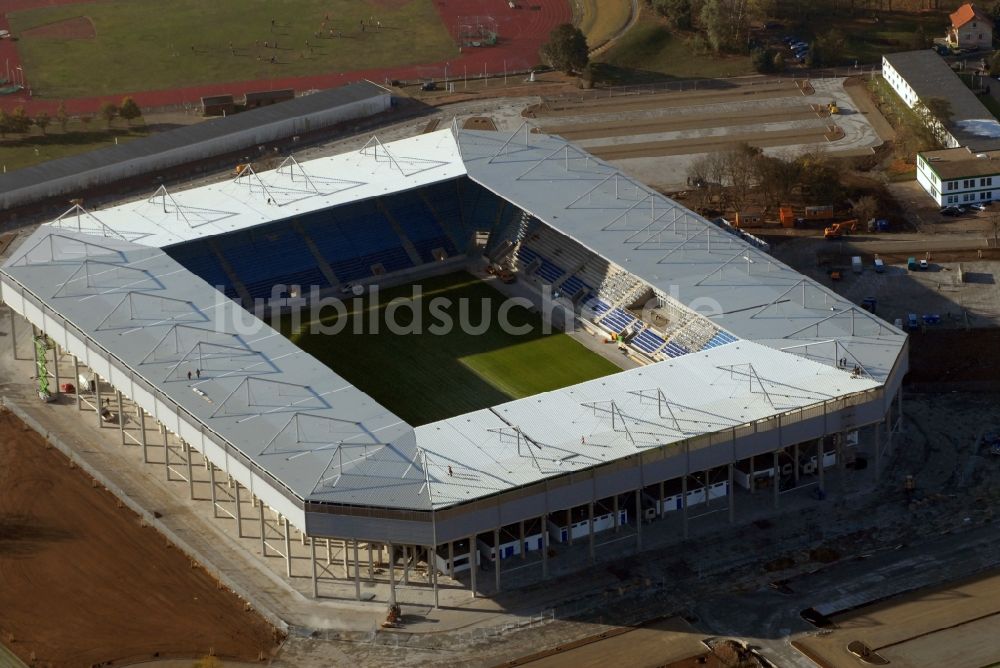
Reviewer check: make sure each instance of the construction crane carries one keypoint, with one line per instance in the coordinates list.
(838, 230)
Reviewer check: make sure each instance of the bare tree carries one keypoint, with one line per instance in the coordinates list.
(866, 208)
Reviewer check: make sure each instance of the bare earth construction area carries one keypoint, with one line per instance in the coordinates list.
(783, 116)
(84, 583)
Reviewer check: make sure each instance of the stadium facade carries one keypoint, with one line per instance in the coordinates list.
(750, 369)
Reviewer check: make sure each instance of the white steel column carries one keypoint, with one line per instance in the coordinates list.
(392, 575)
(187, 450)
(473, 564)
(312, 563)
(288, 548)
(211, 482)
(432, 571)
(357, 573)
(76, 382)
(496, 557)
(239, 516)
(142, 435)
(121, 416)
(731, 493)
(263, 541)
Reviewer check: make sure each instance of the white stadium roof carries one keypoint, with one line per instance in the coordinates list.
(324, 440)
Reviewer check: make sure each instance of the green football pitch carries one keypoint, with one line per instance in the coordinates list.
(113, 46)
(440, 373)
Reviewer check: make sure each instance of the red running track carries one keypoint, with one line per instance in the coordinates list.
(522, 32)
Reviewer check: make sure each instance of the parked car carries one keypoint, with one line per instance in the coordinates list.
(911, 321)
(952, 210)
(924, 266)
(979, 206)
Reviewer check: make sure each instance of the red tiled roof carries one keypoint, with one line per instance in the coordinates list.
(966, 13)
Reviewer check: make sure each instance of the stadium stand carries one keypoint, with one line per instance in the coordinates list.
(442, 200)
(419, 224)
(356, 241)
(198, 257)
(265, 256)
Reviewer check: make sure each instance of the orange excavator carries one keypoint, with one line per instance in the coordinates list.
(838, 230)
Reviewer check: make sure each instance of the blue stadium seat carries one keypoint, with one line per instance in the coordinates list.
(648, 341)
(617, 320)
(419, 224)
(720, 338)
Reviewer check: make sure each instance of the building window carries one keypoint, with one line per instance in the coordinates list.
(984, 195)
(969, 183)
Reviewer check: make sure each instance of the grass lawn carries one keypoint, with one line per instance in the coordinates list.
(651, 51)
(152, 44)
(601, 19)
(17, 152)
(431, 376)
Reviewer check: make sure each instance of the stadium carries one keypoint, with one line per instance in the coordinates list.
(464, 448)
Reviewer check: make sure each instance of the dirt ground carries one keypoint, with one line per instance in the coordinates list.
(669, 643)
(933, 360)
(84, 583)
(955, 626)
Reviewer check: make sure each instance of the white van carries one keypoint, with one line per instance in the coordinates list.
(879, 266)
(856, 265)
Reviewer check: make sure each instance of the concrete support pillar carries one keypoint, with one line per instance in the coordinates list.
(263, 533)
(473, 565)
(288, 547)
(190, 469)
(166, 450)
(731, 493)
(496, 557)
(406, 566)
(614, 509)
(13, 333)
(392, 576)
(432, 571)
(121, 416)
(451, 559)
(795, 463)
(820, 469)
(545, 547)
(357, 574)
(521, 547)
(638, 520)
(142, 436)
(347, 572)
(684, 504)
(239, 516)
(97, 399)
(211, 484)
(76, 381)
(312, 564)
(776, 482)
(590, 530)
(55, 368)
(878, 450)
(329, 555)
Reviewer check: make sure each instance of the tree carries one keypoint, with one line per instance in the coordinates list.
(86, 120)
(866, 208)
(740, 173)
(776, 178)
(763, 60)
(20, 122)
(566, 49)
(727, 23)
(108, 112)
(62, 117)
(129, 110)
(42, 120)
(678, 12)
(918, 39)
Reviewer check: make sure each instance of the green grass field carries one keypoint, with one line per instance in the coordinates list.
(156, 44)
(17, 152)
(651, 51)
(428, 377)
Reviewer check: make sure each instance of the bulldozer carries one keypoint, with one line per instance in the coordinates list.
(838, 230)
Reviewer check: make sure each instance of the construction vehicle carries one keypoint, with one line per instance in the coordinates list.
(832, 108)
(240, 168)
(838, 230)
(787, 216)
